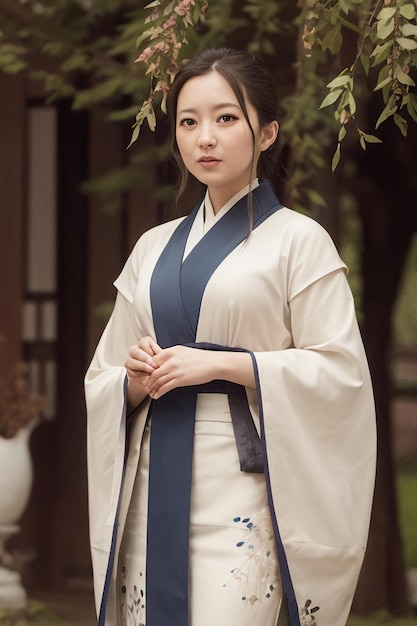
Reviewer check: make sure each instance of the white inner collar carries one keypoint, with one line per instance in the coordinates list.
(206, 218)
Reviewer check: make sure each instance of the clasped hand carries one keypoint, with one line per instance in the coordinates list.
(160, 370)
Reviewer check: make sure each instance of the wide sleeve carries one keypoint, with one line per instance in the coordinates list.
(105, 384)
(318, 422)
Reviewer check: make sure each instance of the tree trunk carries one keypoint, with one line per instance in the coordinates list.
(389, 217)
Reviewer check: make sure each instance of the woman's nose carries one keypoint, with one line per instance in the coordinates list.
(207, 137)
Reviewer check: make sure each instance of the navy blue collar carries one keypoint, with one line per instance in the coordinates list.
(177, 287)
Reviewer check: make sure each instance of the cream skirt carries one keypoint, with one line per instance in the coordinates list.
(233, 564)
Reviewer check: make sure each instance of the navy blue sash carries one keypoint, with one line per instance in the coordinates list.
(177, 289)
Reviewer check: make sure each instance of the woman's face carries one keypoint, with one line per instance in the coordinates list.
(214, 138)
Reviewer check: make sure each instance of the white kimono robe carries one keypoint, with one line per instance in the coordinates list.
(283, 295)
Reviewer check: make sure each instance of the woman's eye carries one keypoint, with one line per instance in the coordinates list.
(226, 118)
(187, 122)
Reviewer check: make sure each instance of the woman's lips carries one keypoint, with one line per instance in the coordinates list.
(208, 162)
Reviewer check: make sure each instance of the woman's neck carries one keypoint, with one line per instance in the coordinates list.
(219, 199)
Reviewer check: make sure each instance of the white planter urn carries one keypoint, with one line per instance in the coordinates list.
(16, 475)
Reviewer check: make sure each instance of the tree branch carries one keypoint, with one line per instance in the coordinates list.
(25, 17)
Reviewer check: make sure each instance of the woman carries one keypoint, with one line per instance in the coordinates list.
(231, 436)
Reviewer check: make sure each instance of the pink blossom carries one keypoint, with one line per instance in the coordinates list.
(144, 56)
(161, 46)
(169, 23)
(183, 8)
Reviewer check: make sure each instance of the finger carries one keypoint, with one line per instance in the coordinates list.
(138, 368)
(140, 356)
(155, 382)
(138, 378)
(156, 391)
(156, 349)
(168, 354)
(149, 345)
(159, 384)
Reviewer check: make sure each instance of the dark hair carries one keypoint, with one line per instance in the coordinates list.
(248, 77)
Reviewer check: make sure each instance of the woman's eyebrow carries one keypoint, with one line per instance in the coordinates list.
(222, 105)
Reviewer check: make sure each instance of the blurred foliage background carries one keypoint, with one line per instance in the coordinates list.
(346, 73)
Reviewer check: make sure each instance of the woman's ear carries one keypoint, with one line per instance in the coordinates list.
(268, 135)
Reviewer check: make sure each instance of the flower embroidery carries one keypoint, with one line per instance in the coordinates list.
(258, 573)
(132, 605)
(307, 617)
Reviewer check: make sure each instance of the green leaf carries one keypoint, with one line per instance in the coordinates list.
(386, 13)
(412, 113)
(385, 28)
(197, 15)
(407, 44)
(342, 133)
(382, 47)
(371, 138)
(412, 106)
(143, 36)
(401, 123)
(333, 15)
(404, 79)
(169, 8)
(351, 26)
(135, 134)
(344, 101)
(344, 6)
(331, 98)
(383, 55)
(151, 117)
(339, 81)
(408, 11)
(164, 103)
(383, 83)
(384, 77)
(409, 30)
(336, 158)
(389, 110)
(333, 40)
(362, 142)
(352, 104)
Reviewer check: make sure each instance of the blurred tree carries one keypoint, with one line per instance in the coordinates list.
(364, 52)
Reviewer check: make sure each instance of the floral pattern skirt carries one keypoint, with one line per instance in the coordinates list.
(233, 563)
